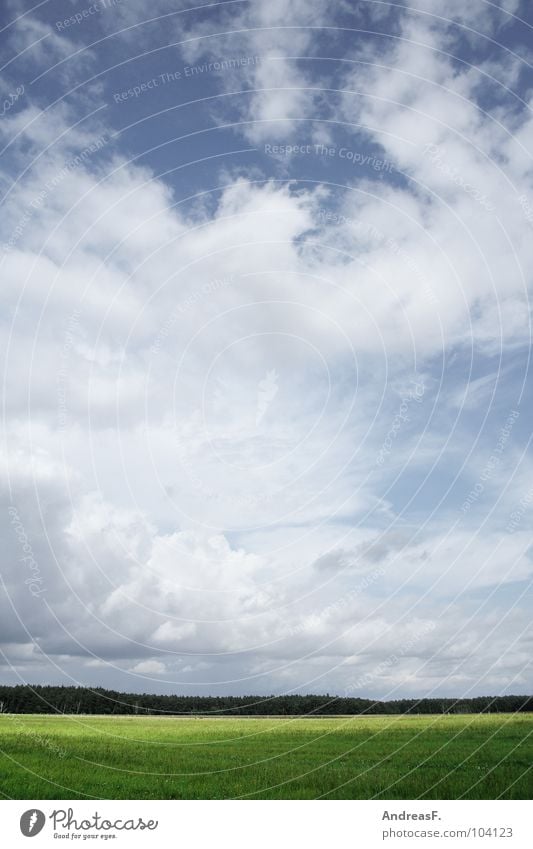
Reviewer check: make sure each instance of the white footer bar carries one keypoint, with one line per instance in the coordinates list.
(265, 824)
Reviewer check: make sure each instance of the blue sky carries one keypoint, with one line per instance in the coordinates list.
(266, 330)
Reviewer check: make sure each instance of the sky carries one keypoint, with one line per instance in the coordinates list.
(265, 332)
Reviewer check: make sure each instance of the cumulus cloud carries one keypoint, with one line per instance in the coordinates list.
(259, 431)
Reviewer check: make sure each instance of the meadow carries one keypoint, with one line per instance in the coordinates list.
(356, 757)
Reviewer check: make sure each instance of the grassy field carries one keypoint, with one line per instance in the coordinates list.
(395, 757)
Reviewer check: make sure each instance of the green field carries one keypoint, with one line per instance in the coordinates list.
(393, 757)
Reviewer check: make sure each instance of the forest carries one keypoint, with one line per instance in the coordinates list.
(25, 698)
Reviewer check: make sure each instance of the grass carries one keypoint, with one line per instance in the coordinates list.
(394, 757)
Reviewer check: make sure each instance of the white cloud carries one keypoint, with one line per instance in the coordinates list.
(149, 667)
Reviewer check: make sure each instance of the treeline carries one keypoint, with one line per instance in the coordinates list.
(53, 700)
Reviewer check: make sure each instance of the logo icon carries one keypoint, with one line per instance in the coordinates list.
(32, 822)
(267, 390)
